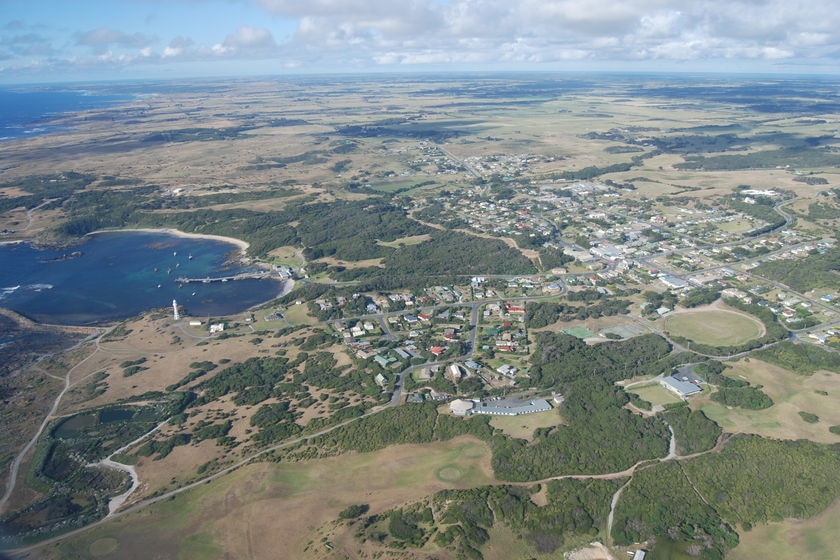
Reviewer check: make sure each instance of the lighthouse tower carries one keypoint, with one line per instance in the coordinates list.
(175, 310)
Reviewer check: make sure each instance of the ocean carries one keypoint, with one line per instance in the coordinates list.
(116, 275)
(27, 111)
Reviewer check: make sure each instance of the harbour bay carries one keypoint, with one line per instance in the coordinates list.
(111, 276)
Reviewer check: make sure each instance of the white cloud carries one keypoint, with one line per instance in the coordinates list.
(103, 37)
(247, 40)
(349, 34)
(428, 31)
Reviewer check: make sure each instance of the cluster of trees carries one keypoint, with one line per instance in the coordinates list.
(461, 520)
(42, 187)
(275, 421)
(91, 210)
(418, 423)
(350, 230)
(804, 478)
(258, 379)
(751, 398)
(131, 367)
(601, 436)
(712, 372)
(562, 358)
(198, 369)
(455, 253)
(542, 314)
(553, 258)
(694, 431)
(701, 296)
(251, 382)
(804, 359)
(803, 157)
(164, 447)
(732, 391)
(319, 370)
(661, 502)
(197, 134)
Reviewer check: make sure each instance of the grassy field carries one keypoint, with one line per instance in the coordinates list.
(815, 539)
(247, 513)
(523, 426)
(713, 326)
(405, 241)
(791, 394)
(299, 315)
(655, 394)
(579, 332)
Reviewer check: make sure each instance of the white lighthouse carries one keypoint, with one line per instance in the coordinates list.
(175, 310)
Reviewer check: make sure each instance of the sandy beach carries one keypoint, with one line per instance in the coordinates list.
(243, 245)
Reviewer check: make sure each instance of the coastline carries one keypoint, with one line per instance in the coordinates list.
(242, 245)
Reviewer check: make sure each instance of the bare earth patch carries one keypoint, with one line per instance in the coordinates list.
(595, 551)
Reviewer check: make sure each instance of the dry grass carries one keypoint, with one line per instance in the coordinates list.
(791, 394)
(655, 394)
(276, 510)
(406, 241)
(523, 426)
(793, 539)
(299, 315)
(332, 261)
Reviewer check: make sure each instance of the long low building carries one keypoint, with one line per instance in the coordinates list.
(682, 388)
(508, 408)
(466, 407)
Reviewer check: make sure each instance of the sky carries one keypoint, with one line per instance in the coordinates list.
(79, 40)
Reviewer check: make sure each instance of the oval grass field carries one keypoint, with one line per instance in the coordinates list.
(716, 327)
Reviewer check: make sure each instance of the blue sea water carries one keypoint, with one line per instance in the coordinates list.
(26, 112)
(115, 275)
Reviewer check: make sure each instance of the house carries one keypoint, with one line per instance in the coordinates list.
(454, 372)
(507, 369)
(384, 360)
(437, 350)
(673, 282)
(510, 308)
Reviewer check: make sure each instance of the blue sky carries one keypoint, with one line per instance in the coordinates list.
(77, 40)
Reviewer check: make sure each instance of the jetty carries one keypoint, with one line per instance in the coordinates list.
(242, 276)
